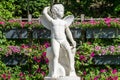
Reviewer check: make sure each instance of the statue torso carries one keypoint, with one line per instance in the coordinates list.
(58, 29)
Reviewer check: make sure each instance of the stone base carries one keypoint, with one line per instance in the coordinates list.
(63, 78)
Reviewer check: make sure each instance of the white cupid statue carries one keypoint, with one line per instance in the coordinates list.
(61, 53)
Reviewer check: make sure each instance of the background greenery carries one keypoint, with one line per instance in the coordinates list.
(37, 63)
(91, 8)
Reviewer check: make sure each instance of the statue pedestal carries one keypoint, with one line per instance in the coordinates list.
(63, 78)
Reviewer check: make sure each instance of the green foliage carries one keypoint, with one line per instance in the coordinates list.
(25, 7)
(68, 13)
(93, 8)
(35, 68)
(7, 9)
(117, 9)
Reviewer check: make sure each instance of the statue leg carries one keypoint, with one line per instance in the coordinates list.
(50, 56)
(67, 47)
(56, 49)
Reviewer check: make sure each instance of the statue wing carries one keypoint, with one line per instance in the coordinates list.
(47, 24)
(69, 19)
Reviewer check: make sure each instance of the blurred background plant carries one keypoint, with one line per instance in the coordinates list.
(105, 23)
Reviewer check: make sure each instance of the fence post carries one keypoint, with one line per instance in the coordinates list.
(83, 33)
(91, 18)
(20, 19)
(82, 17)
(30, 31)
(77, 0)
(29, 18)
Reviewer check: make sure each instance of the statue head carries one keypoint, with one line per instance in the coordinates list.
(57, 11)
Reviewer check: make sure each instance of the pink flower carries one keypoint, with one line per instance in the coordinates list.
(115, 78)
(92, 54)
(21, 74)
(107, 21)
(4, 76)
(84, 73)
(9, 52)
(108, 24)
(44, 54)
(89, 43)
(38, 70)
(112, 49)
(34, 47)
(46, 60)
(103, 51)
(114, 71)
(35, 58)
(23, 24)
(82, 58)
(103, 70)
(41, 48)
(93, 22)
(38, 60)
(2, 23)
(96, 77)
(24, 46)
(9, 76)
(116, 20)
(77, 23)
(14, 49)
(78, 52)
(110, 78)
(43, 73)
(47, 44)
(12, 21)
(97, 48)
(118, 46)
(0, 49)
(29, 22)
(84, 22)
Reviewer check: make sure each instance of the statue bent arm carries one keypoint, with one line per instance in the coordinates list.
(69, 35)
(45, 13)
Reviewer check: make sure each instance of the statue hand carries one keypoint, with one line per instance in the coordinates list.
(74, 44)
(46, 9)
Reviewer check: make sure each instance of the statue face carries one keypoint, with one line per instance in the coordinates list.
(58, 10)
(60, 13)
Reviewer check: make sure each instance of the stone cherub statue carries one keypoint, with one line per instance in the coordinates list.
(61, 53)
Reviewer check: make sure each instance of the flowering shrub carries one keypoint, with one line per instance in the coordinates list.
(35, 68)
(105, 23)
(96, 49)
(101, 74)
(88, 70)
(37, 65)
(18, 24)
